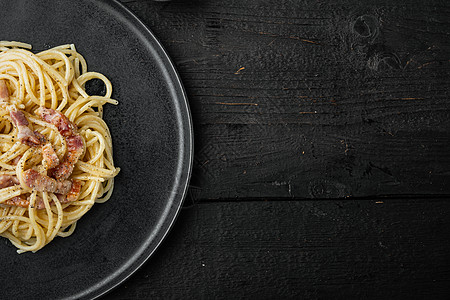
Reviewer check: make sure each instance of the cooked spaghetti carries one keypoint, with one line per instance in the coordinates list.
(55, 148)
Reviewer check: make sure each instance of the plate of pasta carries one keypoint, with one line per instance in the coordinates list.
(96, 147)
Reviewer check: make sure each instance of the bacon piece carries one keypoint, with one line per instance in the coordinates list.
(26, 136)
(17, 201)
(8, 180)
(66, 191)
(49, 157)
(72, 195)
(42, 139)
(74, 141)
(74, 192)
(63, 199)
(4, 92)
(42, 183)
(22, 202)
(74, 151)
(65, 127)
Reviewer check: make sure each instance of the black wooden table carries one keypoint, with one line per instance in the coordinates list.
(322, 150)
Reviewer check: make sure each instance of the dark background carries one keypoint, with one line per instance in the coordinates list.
(322, 161)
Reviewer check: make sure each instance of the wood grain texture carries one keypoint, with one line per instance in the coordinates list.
(301, 249)
(321, 155)
(310, 99)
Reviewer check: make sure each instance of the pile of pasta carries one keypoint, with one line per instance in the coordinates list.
(53, 79)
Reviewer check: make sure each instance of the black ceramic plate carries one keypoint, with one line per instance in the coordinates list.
(152, 137)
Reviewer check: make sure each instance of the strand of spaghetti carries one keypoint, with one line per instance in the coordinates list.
(14, 218)
(10, 192)
(14, 228)
(81, 59)
(16, 84)
(21, 149)
(15, 44)
(59, 221)
(51, 88)
(22, 229)
(96, 170)
(5, 223)
(24, 84)
(17, 216)
(27, 57)
(50, 226)
(39, 233)
(61, 47)
(87, 190)
(28, 231)
(20, 167)
(12, 172)
(77, 67)
(84, 104)
(36, 63)
(74, 215)
(7, 166)
(109, 189)
(16, 150)
(86, 177)
(91, 75)
(64, 233)
(79, 88)
(83, 203)
(53, 54)
(98, 151)
(96, 124)
(92, 138)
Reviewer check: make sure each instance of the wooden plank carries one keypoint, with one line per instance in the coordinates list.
(301, 249)
(312, 99)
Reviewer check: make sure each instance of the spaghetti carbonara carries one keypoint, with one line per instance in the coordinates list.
(55, 148)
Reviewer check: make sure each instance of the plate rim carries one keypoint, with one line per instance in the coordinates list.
(104, 288)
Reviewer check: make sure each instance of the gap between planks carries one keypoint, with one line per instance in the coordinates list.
(379, 199)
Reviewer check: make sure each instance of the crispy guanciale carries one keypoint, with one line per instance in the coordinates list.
(25, 135)
(8, 180)
(66, 191)
(49, 157)
(42, 183)
(73, 140)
